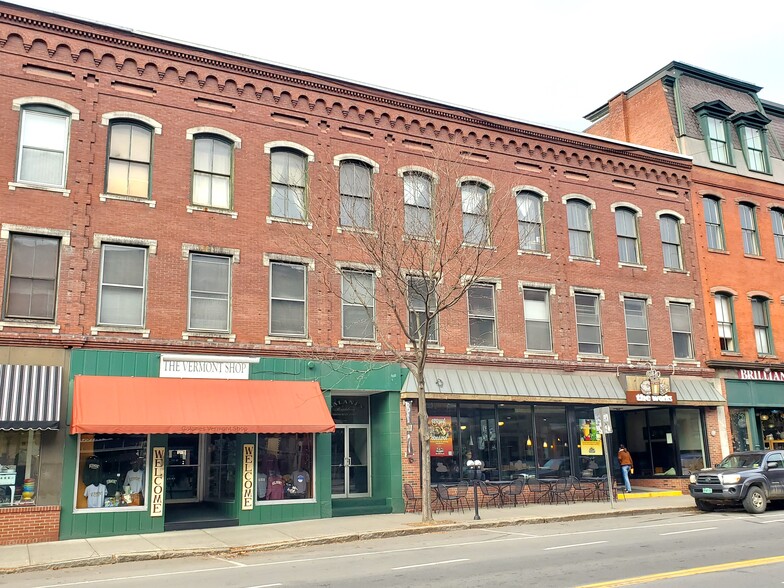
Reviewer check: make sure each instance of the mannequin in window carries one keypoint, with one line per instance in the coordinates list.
(300, 480)
(276, 486)
(134, 479)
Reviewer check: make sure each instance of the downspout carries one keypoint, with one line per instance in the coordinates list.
(676, 96)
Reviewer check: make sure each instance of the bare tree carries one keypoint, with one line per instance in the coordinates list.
(404, 249)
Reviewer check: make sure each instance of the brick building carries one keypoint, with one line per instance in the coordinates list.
(165, 250)
(735, 140)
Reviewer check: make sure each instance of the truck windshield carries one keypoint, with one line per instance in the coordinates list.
(742, 460)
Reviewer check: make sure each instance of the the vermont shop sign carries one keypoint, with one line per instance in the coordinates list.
(761, 375)
(215, 367)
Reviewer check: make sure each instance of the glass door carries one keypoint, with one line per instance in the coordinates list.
(182, 474)
(221, 460)
(351, 461)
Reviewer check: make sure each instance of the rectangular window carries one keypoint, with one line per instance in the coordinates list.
(359, 305)
(31, 285)
(284, 468)
(759, 313)
(529, 221)
(718, 146)
(43, 146)
(481, 316)
(777, 219)
(725, 320)
(130, 157)
(418, 196)
(626, 230)
(669, 227)
(755, 150)
(636, 327)
(289, 183)
(421, 303)
(209, 293)
(476, 229)
(20, 453)
(288, 315)
(212, 172)
(748, 226)
(578, 216)
(715, 233)
(536, 308)
(112, 471)
(122, 290)
(355, 186)
(680, 322)
(589, 331)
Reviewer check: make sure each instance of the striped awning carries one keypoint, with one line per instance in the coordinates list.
(30, 396)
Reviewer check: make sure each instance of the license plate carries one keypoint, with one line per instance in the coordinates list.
(707, 490)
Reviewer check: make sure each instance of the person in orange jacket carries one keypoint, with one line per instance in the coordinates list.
(625, 459)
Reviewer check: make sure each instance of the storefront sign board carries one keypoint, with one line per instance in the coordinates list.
(662, 399)
(590, 448)
(770, 376)
(158, 480)
(206, 369)
(440, 436)
(248, 460)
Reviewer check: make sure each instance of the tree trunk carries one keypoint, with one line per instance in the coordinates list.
(424, 450)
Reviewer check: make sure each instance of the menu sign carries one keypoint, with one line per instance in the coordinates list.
(440, 436)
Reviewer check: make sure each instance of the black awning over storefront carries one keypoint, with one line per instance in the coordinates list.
(30, 396)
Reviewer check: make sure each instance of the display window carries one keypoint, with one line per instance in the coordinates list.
(19, 459)
(112, 472)
(284, 470)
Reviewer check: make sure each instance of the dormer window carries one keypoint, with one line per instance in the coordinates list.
(753, 139)
(713, 120)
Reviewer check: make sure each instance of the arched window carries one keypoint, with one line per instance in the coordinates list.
(725, 319)
(129, 164)
(626, 230)
(670, 229)
(43, 145)
(715, 232)
(761, 316)
(578, 213)
(748, 227)
(777, 220)
(529, 221)
(289, 181)
(418, 199)
(212, 171)
(355, 194)
(476, 227)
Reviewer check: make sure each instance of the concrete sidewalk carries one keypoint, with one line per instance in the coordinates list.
(228, 541)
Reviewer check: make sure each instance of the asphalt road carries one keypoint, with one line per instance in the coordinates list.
(681, 549)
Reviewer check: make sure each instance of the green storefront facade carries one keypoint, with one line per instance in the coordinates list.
(147, 482)
(756, 406)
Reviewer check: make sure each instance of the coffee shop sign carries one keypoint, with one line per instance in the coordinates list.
(206, 366)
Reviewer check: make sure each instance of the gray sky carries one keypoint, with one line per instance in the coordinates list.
(548, 62)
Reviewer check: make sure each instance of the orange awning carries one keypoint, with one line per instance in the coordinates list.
(114, 404)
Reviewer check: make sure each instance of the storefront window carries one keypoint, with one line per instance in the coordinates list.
(222, 463)
(771, 426)
(284, 467)
(690, 442)
(552, 443)
(661, 442)
(112, 471)
(591, 462)
(741, 431)
(479, 437)
(517, 445)
(445, 464)
(19, 458)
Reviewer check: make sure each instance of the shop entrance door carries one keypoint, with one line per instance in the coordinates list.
(183, 472)
(351, 461)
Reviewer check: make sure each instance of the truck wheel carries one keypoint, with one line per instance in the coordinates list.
(704, 506)
(755, 501)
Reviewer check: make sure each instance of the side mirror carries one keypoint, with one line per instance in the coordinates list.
(772, 465)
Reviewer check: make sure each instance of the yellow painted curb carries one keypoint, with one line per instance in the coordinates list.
(650, 494)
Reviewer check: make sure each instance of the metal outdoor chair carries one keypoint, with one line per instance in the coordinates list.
(447, 500)
(563, 490)
(539, 490)
(582, 489)
(516, 490)
(462, 494)
(490, 494)
(412, 500)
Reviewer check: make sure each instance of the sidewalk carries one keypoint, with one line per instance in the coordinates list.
(229, 541)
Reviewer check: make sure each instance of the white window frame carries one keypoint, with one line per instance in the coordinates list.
(597, 297)
(725, 320)
(579, 231)
(58, 111)
(625, 237)
(347, 302)
(547, 292)
(289, 147)
(688, 307)
(763, 337)
(225, 259)
(132, 122)
(480, 219)
(304, 301)
(412, 311)
(526, 227)
(356, 198)
(102, 285)
(668, 242)
(213, 138)
(476, 315)
(644, 302)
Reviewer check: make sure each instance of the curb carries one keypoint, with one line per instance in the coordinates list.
(100, 560)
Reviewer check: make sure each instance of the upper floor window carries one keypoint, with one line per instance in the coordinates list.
(718, 145)
(670, 229)
(43, 146)
(212, 170)
(418, 198)
(578, 215)
(536, 308)
(122, 290)
(209, 293)
(680, 323)
(725, 320)
(626, 230)
(31, 283)
(761, 317)
(713, 226)
(355, 194)
(129, 166)
(422, 304)
(359, 305)
(289, 183)
(288, 304)
(748, 226)
(754, 148)
(529, 221)
(777, 219)
(636, 315)
(589, 330)
(481, 316)
(476, 228)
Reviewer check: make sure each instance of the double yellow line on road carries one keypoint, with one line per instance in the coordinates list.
(749, 563)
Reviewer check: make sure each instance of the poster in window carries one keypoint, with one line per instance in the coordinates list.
(440, 436)
(590, 439)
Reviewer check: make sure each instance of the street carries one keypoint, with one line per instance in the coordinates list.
(675, 549)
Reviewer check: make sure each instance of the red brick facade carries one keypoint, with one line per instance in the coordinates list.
(29, 524)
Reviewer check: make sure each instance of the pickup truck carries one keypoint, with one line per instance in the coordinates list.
(751, 478)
